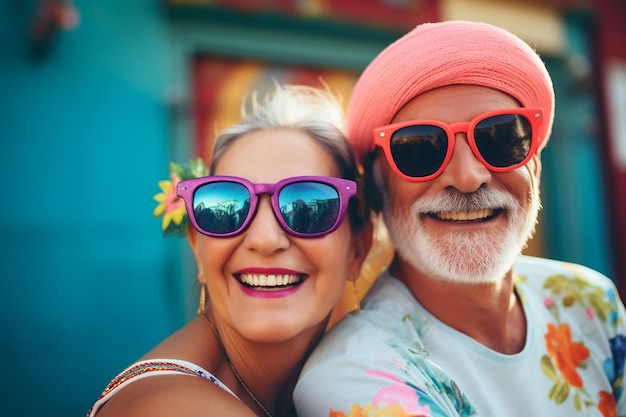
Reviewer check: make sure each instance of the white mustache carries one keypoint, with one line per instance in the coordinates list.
(451, 200)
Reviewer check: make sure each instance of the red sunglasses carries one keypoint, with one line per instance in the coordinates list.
(502, 140)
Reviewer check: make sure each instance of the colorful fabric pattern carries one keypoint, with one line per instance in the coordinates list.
(395, 359)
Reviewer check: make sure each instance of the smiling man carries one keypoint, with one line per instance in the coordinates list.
(449, 122)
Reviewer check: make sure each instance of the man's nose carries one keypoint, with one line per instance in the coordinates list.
(464, 171)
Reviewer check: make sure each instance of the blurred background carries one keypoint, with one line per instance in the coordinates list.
(96, 97)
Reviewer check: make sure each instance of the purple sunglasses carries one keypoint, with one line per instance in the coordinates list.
(310, 206)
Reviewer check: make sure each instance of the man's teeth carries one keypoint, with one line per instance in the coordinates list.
(465, 215)
(260, 280)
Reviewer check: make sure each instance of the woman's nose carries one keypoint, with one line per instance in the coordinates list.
(265, 234)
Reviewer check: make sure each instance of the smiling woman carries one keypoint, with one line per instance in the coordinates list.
(261, 228)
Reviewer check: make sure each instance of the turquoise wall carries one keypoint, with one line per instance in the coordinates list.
(574, 193)
(88, 284)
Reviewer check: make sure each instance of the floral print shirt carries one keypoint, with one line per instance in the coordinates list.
(394, 359)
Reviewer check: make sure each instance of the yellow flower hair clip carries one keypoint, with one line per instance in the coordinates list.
(172, 207)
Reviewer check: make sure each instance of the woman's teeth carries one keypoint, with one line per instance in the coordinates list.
(261, 280)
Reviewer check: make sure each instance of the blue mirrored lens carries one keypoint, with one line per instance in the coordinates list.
(309, 207)
(221, 207)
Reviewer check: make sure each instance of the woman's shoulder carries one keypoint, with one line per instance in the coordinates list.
(183, 371)
(171, 391)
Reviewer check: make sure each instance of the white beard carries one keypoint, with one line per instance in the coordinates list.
(467, 256)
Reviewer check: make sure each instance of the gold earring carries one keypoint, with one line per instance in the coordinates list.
(202, 303)
(357, 304)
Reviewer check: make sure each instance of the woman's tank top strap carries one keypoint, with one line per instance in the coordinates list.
(153, 367)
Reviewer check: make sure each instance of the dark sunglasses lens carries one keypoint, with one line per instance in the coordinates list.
(309, 207)
(504, 140)
(221, 207)
(419, 151)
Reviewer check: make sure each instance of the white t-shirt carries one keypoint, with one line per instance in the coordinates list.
(395, 358)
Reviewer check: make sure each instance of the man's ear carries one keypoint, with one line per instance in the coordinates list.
(371, 169)
(535, 165)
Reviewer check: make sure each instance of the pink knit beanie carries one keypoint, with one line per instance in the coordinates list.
(439, 54)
